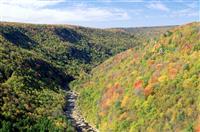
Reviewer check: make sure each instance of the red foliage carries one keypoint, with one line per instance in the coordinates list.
(138, 84)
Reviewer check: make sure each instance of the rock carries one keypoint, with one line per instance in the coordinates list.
(73, 114)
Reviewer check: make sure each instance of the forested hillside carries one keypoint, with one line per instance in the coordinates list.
(154, 87)
(37, 62)
(144, 32)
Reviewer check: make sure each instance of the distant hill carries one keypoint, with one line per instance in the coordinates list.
(145, 32)
(154, 87)
(37, 63)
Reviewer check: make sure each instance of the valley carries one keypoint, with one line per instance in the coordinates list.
(37, 64)
(74, 78)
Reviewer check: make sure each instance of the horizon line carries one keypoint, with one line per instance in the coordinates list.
(76, 25)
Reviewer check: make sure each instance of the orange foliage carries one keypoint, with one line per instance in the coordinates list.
(111, 95)
(102, 113)
(153, 79)
(159, 66)
(198, 128)
(150, 62)
(138, 84)
(136, 56)
(172, 72)
(148, 90)
(156, 46)
(116, 85)
(187, 47)
(133, 61)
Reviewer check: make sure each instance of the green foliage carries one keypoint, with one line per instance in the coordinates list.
(37, 63)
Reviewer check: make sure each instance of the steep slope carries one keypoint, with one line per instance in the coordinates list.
(155, 87)
(66, 45)
(37, 62)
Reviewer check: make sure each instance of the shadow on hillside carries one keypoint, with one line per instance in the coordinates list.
(19, 39)
(68, 35)
(43, 74)
(79, 54)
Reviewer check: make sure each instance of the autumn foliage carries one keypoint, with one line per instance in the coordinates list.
(111, 95)
(138, 84)
(148, 90)
(160, 81)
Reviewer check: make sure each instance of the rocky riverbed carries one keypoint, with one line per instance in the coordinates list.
(75, 116)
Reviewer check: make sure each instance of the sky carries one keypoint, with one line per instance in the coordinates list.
(101, 13)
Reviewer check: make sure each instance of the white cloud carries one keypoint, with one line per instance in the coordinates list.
(158, 6)
(188, 12)
(31, 3)
(37, 11)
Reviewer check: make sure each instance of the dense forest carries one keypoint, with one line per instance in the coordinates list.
(37, 63)
(151, 87)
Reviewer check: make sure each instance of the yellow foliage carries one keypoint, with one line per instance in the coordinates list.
(102, 113)
(171, 65)
(151, 129)
(189, 112)
(113, 98)
(59, 123)
(104, 125)
(156, 46)
(188, 83)
(124, 101)
(162, 78)
(195, 55)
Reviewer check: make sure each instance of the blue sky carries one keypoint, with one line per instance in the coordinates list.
(101, 13)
